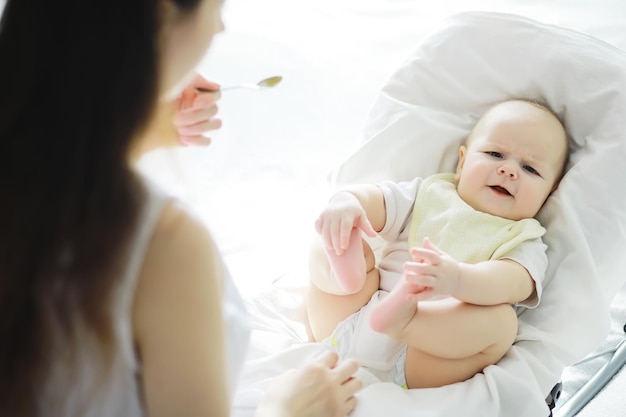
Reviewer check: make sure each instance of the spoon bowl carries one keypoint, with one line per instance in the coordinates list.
(269, 82)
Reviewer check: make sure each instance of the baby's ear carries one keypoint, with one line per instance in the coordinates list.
(459, 165)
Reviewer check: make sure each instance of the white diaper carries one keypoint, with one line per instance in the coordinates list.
(378, 353)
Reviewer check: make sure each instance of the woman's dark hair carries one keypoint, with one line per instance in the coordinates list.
(78, 82)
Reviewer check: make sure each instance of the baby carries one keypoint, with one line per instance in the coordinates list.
(462, 249)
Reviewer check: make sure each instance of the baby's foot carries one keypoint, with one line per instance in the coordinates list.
(397, 309)
(349, 267)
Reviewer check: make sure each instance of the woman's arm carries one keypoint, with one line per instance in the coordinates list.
(178, 323)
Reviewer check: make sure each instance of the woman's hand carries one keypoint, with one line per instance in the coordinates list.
(183, 121)
(324, 388)
(195, 112)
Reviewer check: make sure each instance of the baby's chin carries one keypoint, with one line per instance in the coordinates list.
(497, 210)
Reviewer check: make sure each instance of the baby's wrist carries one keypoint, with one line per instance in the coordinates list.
(341, 194)
(456, 284)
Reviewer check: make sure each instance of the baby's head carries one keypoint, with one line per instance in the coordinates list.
(512, 160)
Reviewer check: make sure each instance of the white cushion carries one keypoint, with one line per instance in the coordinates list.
(427, 108)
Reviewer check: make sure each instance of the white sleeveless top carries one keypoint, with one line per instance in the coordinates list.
(63, 394)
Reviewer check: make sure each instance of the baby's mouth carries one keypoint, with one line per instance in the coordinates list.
(500, 190)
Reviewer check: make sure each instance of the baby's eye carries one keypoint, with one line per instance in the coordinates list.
(530, 169)
(494, 154)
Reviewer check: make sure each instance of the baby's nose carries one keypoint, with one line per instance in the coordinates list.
(508, 170)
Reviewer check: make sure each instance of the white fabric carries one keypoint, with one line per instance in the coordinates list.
(423, 113)
(399, 198)
(237, 330)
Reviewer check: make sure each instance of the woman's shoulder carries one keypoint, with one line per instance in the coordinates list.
(178, 326)
(178, 222)
(181, 260)
(179, 238)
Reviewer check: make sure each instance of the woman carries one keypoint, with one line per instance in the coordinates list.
(114, 298)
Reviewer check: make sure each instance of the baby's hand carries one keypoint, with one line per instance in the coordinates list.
(434, 269)
(343, 213)
(413, 291)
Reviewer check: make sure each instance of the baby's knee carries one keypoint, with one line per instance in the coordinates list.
(509, 319)
(506, 325)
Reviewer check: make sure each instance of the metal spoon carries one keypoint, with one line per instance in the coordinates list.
(265, 83)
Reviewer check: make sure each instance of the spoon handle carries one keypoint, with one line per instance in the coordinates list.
(265, 83)
(243, 85)
(228, 87)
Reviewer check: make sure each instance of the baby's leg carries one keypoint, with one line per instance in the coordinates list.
(327, 304)
(349, 268)
(450, 341)
(394, 312)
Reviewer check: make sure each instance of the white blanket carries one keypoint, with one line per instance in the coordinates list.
(424, 111)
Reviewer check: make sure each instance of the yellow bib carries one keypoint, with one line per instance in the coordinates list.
(456, 228)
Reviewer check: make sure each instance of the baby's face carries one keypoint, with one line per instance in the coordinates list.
(512, 161)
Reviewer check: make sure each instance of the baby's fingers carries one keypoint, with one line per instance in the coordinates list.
(425, 255)
(335, 232)
(420, 279)
(349, 235)
(423, 268)
(421, 295)
(365, 225)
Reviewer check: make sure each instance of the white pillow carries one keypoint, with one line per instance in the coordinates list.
(427, 108)
(477, 59)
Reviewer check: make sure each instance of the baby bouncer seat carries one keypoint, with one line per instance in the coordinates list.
(425, 111)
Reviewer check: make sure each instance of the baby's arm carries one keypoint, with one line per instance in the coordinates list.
(360, 206)
(348, 213)
(485, 283)
(494, 282)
